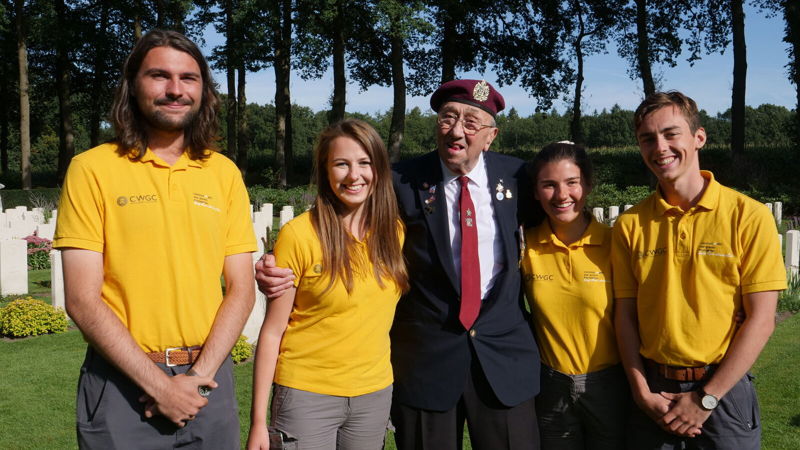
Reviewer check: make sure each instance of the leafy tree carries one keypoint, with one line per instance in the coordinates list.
(586, 26)
(648, 34)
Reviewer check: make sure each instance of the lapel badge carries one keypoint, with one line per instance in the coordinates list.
(500, 191)
(508, 193)
(432, 189)
(430, 200)
(429, 209)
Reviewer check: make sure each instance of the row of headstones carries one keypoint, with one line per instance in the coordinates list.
(613, 212)
(19, 222)
(14, 250)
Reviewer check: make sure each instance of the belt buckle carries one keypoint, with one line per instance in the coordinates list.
(166, 355)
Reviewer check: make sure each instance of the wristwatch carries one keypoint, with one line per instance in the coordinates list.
(707, 401)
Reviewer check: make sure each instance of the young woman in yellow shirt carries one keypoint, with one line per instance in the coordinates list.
(325, 342)
(566, 266)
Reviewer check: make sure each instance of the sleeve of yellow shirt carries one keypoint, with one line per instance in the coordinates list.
(625, 283)
(762, 264)
(80, 211)
(239, 236)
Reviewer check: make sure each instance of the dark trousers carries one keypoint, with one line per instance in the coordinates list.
(583, 412)
(491, 424)
(734, 424)
(110, 416)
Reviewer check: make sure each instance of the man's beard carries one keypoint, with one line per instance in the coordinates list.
(167, 122)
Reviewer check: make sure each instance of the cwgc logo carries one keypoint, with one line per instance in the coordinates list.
(137, 199)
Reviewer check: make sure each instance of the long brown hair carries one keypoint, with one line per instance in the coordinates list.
(380, 217)
(128, 121)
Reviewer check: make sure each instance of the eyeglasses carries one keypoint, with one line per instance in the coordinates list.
(447, 121)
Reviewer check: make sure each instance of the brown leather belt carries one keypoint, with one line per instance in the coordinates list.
(678, 373)
(176, 356)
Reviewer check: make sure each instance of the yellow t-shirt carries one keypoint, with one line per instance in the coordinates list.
(164, 232)
(336, 343)
(569, 288)
(688, 270)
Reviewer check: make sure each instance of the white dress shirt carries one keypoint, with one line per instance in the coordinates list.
(490, 245)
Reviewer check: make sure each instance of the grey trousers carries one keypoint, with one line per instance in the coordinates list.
(734, 424)
(110, 416)
(329, 422)
(587, 411)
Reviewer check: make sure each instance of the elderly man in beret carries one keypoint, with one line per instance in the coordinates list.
(462, 346)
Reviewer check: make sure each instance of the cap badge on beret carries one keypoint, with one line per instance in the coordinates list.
(481, 91)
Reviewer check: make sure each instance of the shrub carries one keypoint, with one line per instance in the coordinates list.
(300, 198)
(242, 350)
(789, 300)
(31, 317)
(38, 252)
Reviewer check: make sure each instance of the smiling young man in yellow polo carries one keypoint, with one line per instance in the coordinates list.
(147, 224)
(686, 260)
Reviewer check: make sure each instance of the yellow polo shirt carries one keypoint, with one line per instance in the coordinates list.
(688, 270)
(164, 232)
(336, 343)
(569, 289)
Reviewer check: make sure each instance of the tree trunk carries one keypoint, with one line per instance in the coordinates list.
(24, 100)
(398, 126)
(98, 80)
(739, 79)
(339, 76)
(5, 100)
(791, 14)
(448, 53)
(283, 104)
(575, 124)
(230, 71)
(66, 138)
(643, 48)
(242, 141)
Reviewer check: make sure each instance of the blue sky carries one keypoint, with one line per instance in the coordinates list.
(606, 81)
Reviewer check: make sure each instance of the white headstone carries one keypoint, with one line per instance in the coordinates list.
(266, 208)
(792, 256)
(57, 279)
(35, 216)
(769, 206)
(287, 214)
(13, 267)
(3, 220)
(53, 216)
(627, 207)
(613, 212)
(21, 228)
(777, 211)
(14, 214)
(598, 214)
(46, 230)
(253, 325)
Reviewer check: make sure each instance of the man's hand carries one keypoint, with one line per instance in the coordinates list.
(272, 281)
(654, 405)
(686, 417)
(178, 401)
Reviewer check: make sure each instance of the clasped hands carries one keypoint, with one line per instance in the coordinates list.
(179, 399)
(679, 414)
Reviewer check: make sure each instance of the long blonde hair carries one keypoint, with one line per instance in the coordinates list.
(380, 217)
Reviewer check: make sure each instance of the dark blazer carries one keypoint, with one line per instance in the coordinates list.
(431, 351)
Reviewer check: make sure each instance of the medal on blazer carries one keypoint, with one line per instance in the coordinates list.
(431, 197)
(502, 192)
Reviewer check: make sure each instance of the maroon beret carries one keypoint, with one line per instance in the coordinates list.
(478, 93)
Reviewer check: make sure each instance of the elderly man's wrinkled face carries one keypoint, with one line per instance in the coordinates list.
(459, 146)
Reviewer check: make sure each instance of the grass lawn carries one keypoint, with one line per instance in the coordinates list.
(39, 377)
